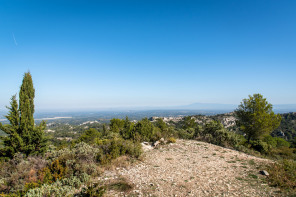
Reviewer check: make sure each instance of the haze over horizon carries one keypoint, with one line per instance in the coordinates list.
(114, 54)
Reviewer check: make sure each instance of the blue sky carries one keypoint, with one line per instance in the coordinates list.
(96, 54)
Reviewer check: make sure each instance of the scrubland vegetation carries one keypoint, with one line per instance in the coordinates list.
(32, 164)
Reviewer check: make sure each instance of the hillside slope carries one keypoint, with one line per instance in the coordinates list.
(193, 168)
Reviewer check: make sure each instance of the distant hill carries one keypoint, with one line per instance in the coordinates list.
(209, 106)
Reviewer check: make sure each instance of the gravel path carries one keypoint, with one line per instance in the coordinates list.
(193, 168)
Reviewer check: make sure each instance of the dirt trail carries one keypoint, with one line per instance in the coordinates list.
(193, 168)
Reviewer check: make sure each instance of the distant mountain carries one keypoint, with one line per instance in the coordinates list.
(194, 108)
(209, 106)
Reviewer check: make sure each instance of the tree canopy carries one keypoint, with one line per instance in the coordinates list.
(256, 118)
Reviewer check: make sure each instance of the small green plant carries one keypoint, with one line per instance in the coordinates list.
(252, 162)
(171, 140)
(121, 186)
(93, 190)
(57, 170)
(253, 176)
(239, 178)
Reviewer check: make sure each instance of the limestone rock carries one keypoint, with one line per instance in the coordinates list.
(264, 172)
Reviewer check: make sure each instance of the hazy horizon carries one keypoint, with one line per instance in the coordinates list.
(115, 54)
(206, 107)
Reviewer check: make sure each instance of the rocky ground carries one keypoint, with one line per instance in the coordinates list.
(192, 168)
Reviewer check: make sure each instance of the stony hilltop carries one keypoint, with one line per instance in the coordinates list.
(193, 168)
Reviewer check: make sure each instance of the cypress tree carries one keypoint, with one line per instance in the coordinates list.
(26, 107)
(22, 134)
(12, 142)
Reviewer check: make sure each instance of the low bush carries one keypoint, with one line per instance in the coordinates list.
(79, 159)
(275, 142)
(271, 141)
(171, 140)
(112, 148)
(157, 135)
(144, 130)
(283, 174)
(260, 146)
(121, 186)
(93, 190)
(283, 153)
(60, 188)
(185, 133)
(89, 136)
(280, 142)
(19, 172)
(214, 132)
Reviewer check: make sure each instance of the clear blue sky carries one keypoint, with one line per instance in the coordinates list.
(93, 54)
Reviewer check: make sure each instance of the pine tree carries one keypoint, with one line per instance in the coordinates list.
(22, 134)
(256, 118)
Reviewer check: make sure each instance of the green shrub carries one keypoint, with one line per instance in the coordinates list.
(276, 141)
(79, 159)
(159, 123)
(280, 142)
(214, 132)
(128, 129)
(55, 189)
(58, 170)
(260, 146)
(270, 141)
(157, 135)
(171, 140)
(144, 129)
(277, 147)
(188, 122)
(80, 151)
(185, 134)
(63, 187)
(89, 136)
(45, 175)
(169, 132)
(116, 125)
(93, 190)
(113, 148)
